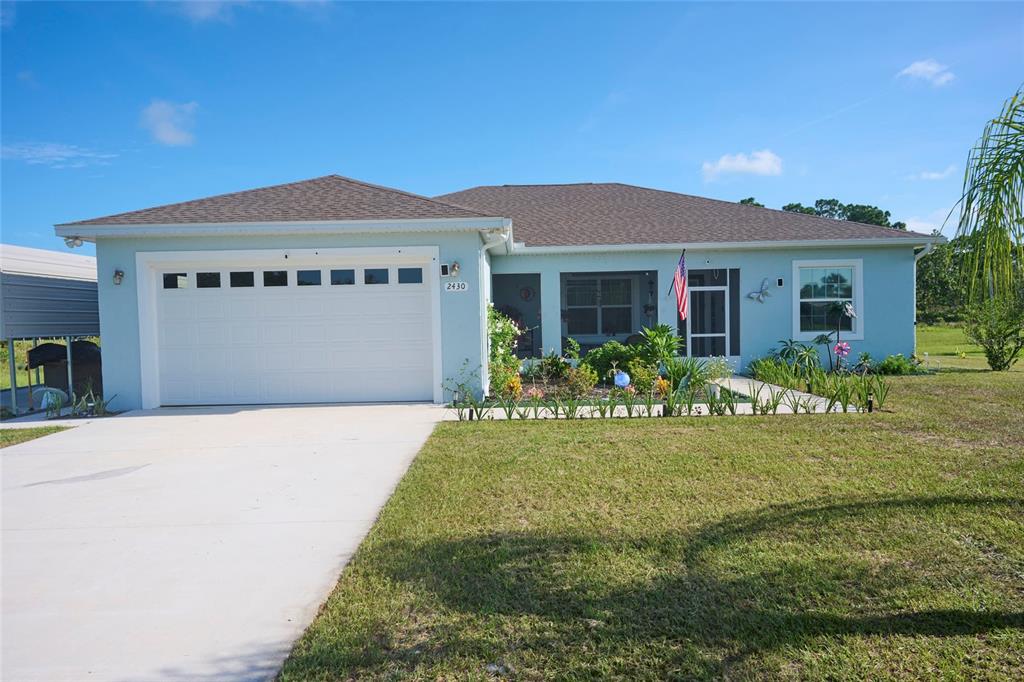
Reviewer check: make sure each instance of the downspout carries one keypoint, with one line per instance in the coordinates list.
(491, 239)
(928, 248)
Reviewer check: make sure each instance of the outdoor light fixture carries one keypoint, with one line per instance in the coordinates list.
(72, 242)
(118, 276)
(455, 268)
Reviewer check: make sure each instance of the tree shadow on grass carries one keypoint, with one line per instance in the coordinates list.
(676, 604)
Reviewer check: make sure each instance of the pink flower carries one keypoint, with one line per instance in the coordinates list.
(842, 349)
(534, 393)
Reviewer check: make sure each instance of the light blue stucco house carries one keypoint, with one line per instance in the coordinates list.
(335, 290)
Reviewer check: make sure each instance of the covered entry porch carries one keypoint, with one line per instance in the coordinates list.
(599, 298)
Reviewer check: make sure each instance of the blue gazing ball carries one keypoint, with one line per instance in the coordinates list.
(621, 379)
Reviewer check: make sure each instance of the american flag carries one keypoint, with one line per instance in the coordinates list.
(680, 286)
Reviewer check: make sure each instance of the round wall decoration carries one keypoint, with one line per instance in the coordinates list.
(527, 293)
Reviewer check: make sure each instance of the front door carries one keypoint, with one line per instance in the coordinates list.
(707, 324)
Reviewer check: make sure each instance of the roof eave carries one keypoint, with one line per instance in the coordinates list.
(901, 241)
(89, 232)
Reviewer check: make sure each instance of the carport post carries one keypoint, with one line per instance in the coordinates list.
(14, 376)
(71, 386)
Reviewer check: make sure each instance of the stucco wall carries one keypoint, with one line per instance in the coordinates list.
(887, 312)
(461, 312)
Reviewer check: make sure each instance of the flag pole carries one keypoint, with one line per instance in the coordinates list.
(672, 284)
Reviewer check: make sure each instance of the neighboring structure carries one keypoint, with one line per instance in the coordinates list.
(45, 294)
(335, 290)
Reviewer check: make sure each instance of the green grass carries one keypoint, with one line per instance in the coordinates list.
(817, 547)
(10, 437)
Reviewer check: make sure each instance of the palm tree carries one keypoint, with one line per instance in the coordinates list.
(992, 206)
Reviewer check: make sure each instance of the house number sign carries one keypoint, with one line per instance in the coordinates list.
(456, 286)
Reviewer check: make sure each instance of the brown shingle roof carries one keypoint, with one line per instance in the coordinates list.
(615, 214)
(328, 198)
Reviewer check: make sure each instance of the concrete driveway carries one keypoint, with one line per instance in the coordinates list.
(191, 544)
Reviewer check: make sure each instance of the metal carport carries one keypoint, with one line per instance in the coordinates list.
(45, 294)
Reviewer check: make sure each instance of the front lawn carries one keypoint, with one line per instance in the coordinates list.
(10, 437)
(813, 546)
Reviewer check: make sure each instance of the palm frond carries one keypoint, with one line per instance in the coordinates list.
(992, 206)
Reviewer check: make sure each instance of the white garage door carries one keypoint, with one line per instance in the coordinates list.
(347, 332)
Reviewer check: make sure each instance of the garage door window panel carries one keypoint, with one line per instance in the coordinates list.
(175, 280)
(410, 275)
(308, 278)
(275, 278)
(345, 277)
(207, 280)
(242, 280)
(375, 276)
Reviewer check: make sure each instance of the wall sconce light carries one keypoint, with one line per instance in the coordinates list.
(455, 268)
(118, 276)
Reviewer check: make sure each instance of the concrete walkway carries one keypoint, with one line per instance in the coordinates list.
(188, 544)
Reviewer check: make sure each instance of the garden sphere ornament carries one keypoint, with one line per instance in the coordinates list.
(621, 379)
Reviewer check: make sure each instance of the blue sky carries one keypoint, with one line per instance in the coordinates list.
(110, 107)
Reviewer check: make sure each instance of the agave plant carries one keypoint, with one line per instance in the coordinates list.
(992, 206)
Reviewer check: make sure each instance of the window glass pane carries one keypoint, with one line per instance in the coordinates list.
(707, 314)
(826, 283)
(410, 275)
(275, 278)
(207, 280)
(581, 321)
(819, 316)
(307, 278)
(175, 280)
(242, 279)
(616, 320)
(581, 292)
(616, 292)
(707, 346)
(339, 277)
(375, 276)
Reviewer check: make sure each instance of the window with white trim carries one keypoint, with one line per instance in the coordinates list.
(823, 289)
(599, 305)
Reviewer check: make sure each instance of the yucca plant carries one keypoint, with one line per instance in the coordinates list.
(992, 207)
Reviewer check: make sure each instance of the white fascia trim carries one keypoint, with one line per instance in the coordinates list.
(522, 249)
(858, 296)
(91, 232)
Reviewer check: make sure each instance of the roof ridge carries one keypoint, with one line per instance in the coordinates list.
(402, 191)
(236, 193)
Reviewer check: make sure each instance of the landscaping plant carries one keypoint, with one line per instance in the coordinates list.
(997, 325)
(660, 344)
(609, 356)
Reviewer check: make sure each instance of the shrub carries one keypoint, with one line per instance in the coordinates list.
(642, 374)
(896, 365)
(502, 333)
(580, 381)
(554, 367)
(509, 387)
(612, 353)
(572, 349)
(691, 371)
(660, 344)
(997, 325)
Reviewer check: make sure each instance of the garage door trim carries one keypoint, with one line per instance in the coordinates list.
(150, 264)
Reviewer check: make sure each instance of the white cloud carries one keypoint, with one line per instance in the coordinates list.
(55, 155)
(934, 175)
(931, 222)
(170, 123)
(929, 70)
(7, 13)
(763, 162)
(200, 11)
